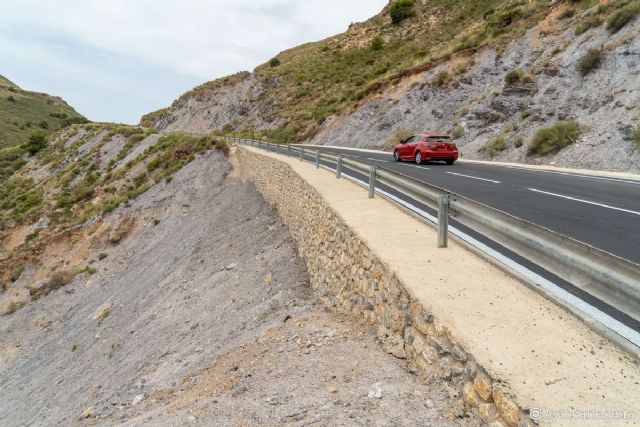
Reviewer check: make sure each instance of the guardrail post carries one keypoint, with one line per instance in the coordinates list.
(339, 167)
(301, 153)
(443, 220)
(277, 148)
(372, 181)
(288, 150)
(317, 159)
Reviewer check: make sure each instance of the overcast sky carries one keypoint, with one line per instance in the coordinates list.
(114, 60)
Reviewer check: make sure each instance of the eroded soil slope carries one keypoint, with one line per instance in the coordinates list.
(202, 315)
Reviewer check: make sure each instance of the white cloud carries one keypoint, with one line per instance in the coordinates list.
(196, 37)
(116, 43)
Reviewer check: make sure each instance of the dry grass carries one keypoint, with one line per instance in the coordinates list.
(13, 306)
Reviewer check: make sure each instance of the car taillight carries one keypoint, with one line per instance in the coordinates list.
(452, 146)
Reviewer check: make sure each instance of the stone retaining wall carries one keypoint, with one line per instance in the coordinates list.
(349, 278)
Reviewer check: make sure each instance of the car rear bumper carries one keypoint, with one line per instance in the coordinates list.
(440, 155)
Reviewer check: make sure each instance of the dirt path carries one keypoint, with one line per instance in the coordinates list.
(202, 315)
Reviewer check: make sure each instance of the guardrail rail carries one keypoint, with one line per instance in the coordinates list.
(613, 280)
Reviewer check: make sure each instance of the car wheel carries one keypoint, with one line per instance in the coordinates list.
(396, 156)
(419, 158)
(450, 161)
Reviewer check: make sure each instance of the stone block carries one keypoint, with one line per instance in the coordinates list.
(482, 383)
(506, 406)
(470, 395)
(488, 412)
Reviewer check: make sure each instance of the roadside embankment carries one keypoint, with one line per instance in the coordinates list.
(512, 353)
(199, 313)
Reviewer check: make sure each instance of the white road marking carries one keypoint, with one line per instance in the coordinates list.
(585, 201)
(576, 175)
(523, 167)
(377, 160)
(414, 166)
(474, 177)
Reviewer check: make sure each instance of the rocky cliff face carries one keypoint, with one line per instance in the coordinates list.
(495, 92)
(606, 101)
(235, 103)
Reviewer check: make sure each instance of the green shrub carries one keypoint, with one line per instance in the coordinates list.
(89, 270)
(623, 17)
(524, 115)
(377, 43)
(441, 79)
(517, 75)
(399, 136)
(494, 146)
(513, 76)
(499, 23)
(37, 141)
(274, 62)
(592, 21)
(553, 139)
(401, 10)
(457, 132)
(518, 142)
(140, 179)
(11, 98)
(589, 61)
(16, 272)
(222, 146)
(461, 68)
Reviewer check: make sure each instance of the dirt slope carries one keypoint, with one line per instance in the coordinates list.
(202, 315)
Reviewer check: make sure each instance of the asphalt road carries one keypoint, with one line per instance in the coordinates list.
(602, 212)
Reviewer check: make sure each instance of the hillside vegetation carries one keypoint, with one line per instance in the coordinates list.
(77, 176)
(303, 86)
(483, 70)
(23, 112)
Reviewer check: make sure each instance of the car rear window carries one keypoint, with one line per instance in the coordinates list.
(436, 138)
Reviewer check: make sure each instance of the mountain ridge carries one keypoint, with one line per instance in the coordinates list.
(485, 79)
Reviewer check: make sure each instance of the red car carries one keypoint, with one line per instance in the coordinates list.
(426, 146)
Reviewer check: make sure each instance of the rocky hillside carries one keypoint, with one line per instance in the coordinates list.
(22, 112)
(198, 312)
(550, 82)
(70, 180)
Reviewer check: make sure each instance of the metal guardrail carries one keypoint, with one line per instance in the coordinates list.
(612, 279)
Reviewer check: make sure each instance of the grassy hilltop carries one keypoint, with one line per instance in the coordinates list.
(22, 112)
